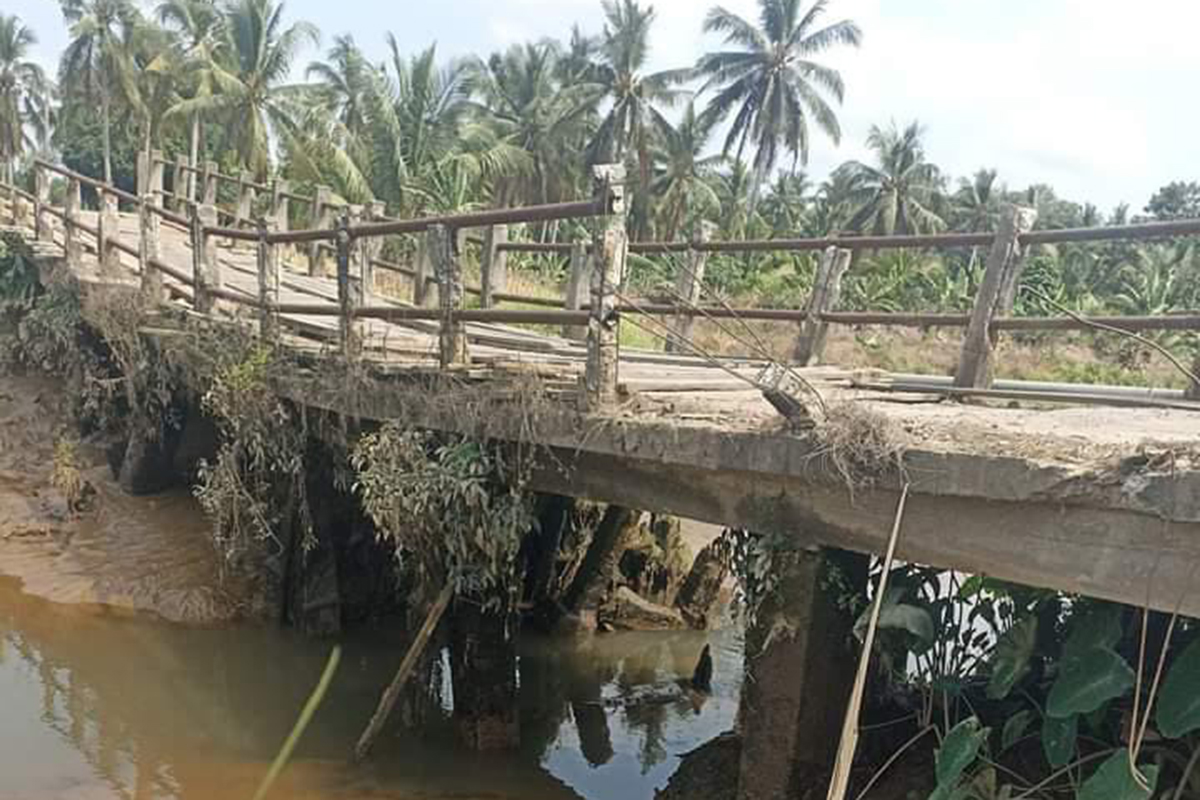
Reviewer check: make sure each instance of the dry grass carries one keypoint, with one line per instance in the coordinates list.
(858, 445)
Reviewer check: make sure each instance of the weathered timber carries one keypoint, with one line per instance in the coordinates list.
(826, 291)
(110, 232)
(209, 178)
(494, 265)
(245, 203)
(43, 226)
(689, 285)
(452, 334)
(206, 267)
(154, 187)
(579, 288)
(347, 291)
(268, 283)
(611, 247)
(425, 281)
(322, 216)
(148, 252)
(182, 183)
(280, 193)
(72, 242)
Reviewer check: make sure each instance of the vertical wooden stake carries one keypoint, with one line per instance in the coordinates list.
(826, 291)
(425, 281)
(109, 257)
(689, 285)
(579, 288)
(372, 250)
(142, 173)
(611, 248)
(975, 363)
(493, 265)
(346, 289)
(279, 204)
(206, 269)
(245, 206)
(148, 250)
(73, 245)
(452, 333)
(321, 218)
(42, 224)
(181, 181)
(268, 282)
(157, 170)
(210, 184)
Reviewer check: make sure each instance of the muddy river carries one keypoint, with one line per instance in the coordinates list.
(109, 691)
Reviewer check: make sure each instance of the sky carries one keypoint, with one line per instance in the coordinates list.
(1097, 98)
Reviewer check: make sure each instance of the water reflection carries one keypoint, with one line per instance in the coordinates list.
(97, 706)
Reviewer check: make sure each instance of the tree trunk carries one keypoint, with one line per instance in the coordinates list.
(106, 134)
(600, 560)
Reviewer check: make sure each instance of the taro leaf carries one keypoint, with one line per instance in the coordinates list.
(1113, 781)
(896, 615)
(1087, 682)
(958, 751)
(1011, 661)
(1179, 704)
(1098, 627)
(1014, 729)
(1058, 740)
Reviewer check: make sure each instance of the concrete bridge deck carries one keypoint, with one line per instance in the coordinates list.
(1092, 499)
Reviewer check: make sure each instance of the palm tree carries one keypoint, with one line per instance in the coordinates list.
(684, 178)
(770, 83)
(343, 81)
(198, 24)
(251, 98)
(898, 194)
(786, 204)
(96, 62)
(22, 83)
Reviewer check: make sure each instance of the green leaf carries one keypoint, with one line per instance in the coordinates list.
(909, 618)
(1087, 682)
(1014, 729)
(958, 750)
(1099, 627)
(1113, 781)
(1179, 703)
(1011, 660)
(1058, 740)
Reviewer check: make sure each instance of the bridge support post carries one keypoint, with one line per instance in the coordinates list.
(206, 269)
(42, 223)
(268, 282)
(322, 218)
(579, 288)
(181, 183)
(452, 333)
(689, 285)
(107, 254)
(279, 204)
(72, 244)
(799, 671)
(826, 291)
(210, 179)
(494, 266)
(347, 290)
(999, 285)
(611, 248)
(157, 170)
(148, 250)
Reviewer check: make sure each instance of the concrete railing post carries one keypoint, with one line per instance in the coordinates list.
(209, 179)
(321, 218)
(181, 182)
(611, 249)
(452, 333)
(493, 266)
(72, 243)
(206, 268)
(579, 288)
(157, 170)
(245, 204)
(268, 282)
(280, 207)
(148, 250)
(42, 222)
(689, 286)
(107, 254)
(999, 279)
(826, 291)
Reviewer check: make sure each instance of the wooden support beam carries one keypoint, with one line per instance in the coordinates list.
(493, 265)
(72, 243)
(155, 188)
(280, 207)
(689, 285)
(107, 254)
(268, 282)
(452, 333)
(826, 291)
(611, 248)
(322, 217)
(210, 184)
(579, 288)
(148, 250)
(975, 363)
(42, 223)
(347, 290)
(206, 269)
(181, 183)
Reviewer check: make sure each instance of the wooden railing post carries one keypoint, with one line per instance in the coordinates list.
(245, 205)
(579, 288)
(148, 250)
(452, 333)
(141, 177)
(425, 279)
(268, 282)
(280, 208)
(975, 363)
(157, 170)
(493, 266)
(689, 285)
(826, 291)
(206, 269)
(347, 291)
(611, 249)
(72, 243)
(372, 249)
(321, 218)
(107, 254)
(209, 178)
(42, 223)
(181, 183)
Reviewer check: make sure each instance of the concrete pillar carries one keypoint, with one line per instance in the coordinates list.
(799, 671)
(999, 279)
(579, 288)
(689, 285)
(611, 249)
(148, 250)
(493, 265)
(268, 282)
(206, 269)
(826, 291)
(452, 333)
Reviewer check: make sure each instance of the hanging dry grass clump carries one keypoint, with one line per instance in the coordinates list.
(858, 445)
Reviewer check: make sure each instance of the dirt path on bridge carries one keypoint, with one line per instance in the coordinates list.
(120, 553)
